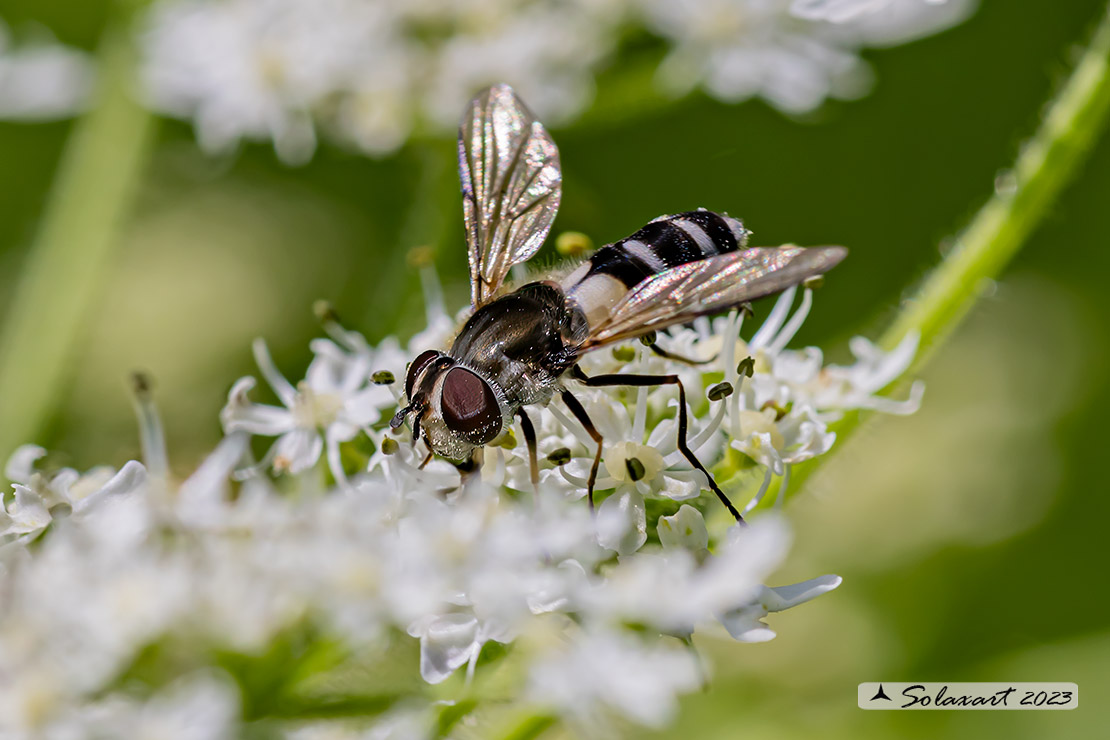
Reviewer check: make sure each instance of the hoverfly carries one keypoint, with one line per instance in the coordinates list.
(518, 348)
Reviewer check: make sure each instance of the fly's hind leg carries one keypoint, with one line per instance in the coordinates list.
(580, 413)
(598, 381)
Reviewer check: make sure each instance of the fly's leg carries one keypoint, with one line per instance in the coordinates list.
(653, 380)
(580, 413)
(530, 440)
(648, 340)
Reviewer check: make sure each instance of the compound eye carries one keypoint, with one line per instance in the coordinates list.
(469, 406)
(416, 367)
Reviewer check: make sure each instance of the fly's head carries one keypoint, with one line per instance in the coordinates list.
(454, 408)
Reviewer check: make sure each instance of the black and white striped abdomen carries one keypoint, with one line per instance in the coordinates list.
(666, 242)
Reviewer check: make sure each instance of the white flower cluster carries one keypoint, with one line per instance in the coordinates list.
(371, 71)
(125, 592)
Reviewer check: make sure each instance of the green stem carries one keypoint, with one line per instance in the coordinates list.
(94, 188)
(1022, 196)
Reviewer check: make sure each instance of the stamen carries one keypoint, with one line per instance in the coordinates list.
(639, 420)
(277, 381)
(792, 326)
(335, 462)
(744, 369)
(382, 377)
(728, 346)
(760, 493)
(774, 321)
(572, 427)
(782, 487)
(152, 440)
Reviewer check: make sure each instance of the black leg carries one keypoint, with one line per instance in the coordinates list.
(580, 414)
(650, 380)
(649, 342)
(530, 440)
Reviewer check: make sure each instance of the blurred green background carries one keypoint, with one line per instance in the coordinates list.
(971, 537)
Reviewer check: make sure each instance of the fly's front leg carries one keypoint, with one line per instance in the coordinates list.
(580, 413)
(598, 381)
(530, 440)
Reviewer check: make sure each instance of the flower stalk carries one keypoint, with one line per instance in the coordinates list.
(94, 189)
(1022, 196)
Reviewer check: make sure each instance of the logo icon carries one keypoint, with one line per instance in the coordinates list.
(880, 694)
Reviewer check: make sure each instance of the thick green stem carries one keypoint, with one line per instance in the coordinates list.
(94, 188)
(1022, 196)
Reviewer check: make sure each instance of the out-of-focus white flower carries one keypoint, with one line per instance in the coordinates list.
(603, 672)
(42, 80)
(331, 405)
(369, 73)
(450, 641)
(839, 11)
(792, 54)
(39, 498)
(684, 529)
(746, 625)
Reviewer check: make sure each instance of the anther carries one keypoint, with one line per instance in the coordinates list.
(635, 468)
(560, 456)
(720, 391)
(573, 243)
(746, 367)
(382, 377)
(390, 446)
(325, 312)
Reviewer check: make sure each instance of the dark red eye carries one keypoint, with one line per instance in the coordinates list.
(416, 367)
(469, 407)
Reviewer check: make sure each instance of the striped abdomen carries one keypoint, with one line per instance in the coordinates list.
(666, 242)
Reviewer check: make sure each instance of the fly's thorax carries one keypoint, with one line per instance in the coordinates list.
(456, 408)
(523, 342)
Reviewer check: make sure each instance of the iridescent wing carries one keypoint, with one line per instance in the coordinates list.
(511, 186)
(711, 285)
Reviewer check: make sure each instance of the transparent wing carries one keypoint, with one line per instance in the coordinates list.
(511, 186)
(683, 293)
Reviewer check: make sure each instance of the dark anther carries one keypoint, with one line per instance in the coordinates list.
(383, 377)
(746, 367)
(560, 456)
(636, 469)
(814, 282)
(746, 310)
(720, 391)
(389, 446)
(141, 383)
(648, 339)
(325, 312)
